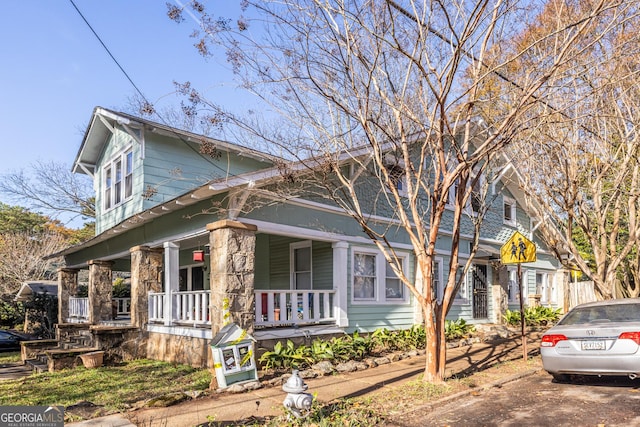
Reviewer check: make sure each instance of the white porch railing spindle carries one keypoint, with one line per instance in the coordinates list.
(79, 309)
(273, 307)
(295, 307)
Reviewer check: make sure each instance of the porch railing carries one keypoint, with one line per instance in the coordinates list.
(192, 307)
(273, 308)
(157, 307)
(284, 307)
(187, 307)
(78, 309)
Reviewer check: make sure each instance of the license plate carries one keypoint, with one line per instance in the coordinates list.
(593, 345)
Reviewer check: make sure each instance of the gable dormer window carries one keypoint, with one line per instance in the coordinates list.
(397, 173)
(118, 179)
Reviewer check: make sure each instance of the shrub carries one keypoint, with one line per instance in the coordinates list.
(533, 316)
(458, 329)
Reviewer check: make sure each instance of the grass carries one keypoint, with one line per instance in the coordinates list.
(114, 387)
(10, 357)
(117, 388)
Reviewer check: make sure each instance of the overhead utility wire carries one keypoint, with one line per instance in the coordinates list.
(108, 51)
(142, 95)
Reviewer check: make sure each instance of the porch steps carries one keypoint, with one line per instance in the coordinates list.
(80, 339)
(39, 364)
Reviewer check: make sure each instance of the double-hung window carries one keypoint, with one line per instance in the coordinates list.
(374, 280)
(437, 279)
(118, 179)
(513, 288)
(509, 211)
(545, 287)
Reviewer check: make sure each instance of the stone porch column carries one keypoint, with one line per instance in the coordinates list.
(67, 287)
(100, 291)
(146, 276)
(232, 246)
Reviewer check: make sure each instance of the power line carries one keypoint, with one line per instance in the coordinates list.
(142, 95)
(109, 52)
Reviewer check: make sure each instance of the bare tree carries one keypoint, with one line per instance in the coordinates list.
(22, 258)
(380, 101)
(52, 188)
(579, 161)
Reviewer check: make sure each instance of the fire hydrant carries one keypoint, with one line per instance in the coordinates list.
(297, 402)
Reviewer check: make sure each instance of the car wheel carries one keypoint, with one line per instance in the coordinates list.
(561, 378)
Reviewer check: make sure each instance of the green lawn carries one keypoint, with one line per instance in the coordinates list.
(114, 387)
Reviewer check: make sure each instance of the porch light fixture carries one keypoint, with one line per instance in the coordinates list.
(198, 256)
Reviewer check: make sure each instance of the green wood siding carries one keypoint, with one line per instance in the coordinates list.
(273, 264)
(169, 167)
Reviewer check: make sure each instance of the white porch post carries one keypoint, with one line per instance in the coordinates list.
(340, 282)
(171, 279)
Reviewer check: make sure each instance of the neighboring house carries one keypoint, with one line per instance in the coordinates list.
(28, 291)
(291, 268)
(36, 287)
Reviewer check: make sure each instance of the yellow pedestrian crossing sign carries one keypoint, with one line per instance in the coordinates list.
(517, 250)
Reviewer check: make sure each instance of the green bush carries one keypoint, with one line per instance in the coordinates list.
(11, 312)
(533, 316)
(286, 356)
(355, 346)
(454, 330)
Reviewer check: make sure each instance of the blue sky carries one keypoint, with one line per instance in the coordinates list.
(54, 70)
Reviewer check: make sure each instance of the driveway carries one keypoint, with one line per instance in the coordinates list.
(538, 401)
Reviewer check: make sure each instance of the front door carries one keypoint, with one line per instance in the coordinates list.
(480, 297)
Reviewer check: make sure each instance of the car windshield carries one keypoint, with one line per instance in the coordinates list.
(618, 313)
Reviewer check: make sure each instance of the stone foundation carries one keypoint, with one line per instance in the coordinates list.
(120, 343)
(195, 352)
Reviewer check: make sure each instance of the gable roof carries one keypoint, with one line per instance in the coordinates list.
(104, 122)
(40, 287)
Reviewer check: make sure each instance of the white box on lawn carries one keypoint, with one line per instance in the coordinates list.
(233, 356)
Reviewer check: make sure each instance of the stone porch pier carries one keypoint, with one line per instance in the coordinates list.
(232, 246)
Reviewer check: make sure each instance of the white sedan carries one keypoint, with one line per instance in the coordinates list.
(599, 338)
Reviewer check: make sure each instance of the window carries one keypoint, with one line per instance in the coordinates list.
(191, 278)
(545, 287)
(397, 176)
(462, 295)
(118, 179)
(128, 174)
(513, 288)
(393, 287)
(477, 194)
(301, 265)
(364, 277)
(438, 283)
(509, 211)
(476, 198)
(107, 187)
(374, 281)
(452, 194)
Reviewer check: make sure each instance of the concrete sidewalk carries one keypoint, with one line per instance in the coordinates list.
(267, 401)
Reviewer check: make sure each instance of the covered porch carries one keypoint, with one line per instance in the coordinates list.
(250, 278)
